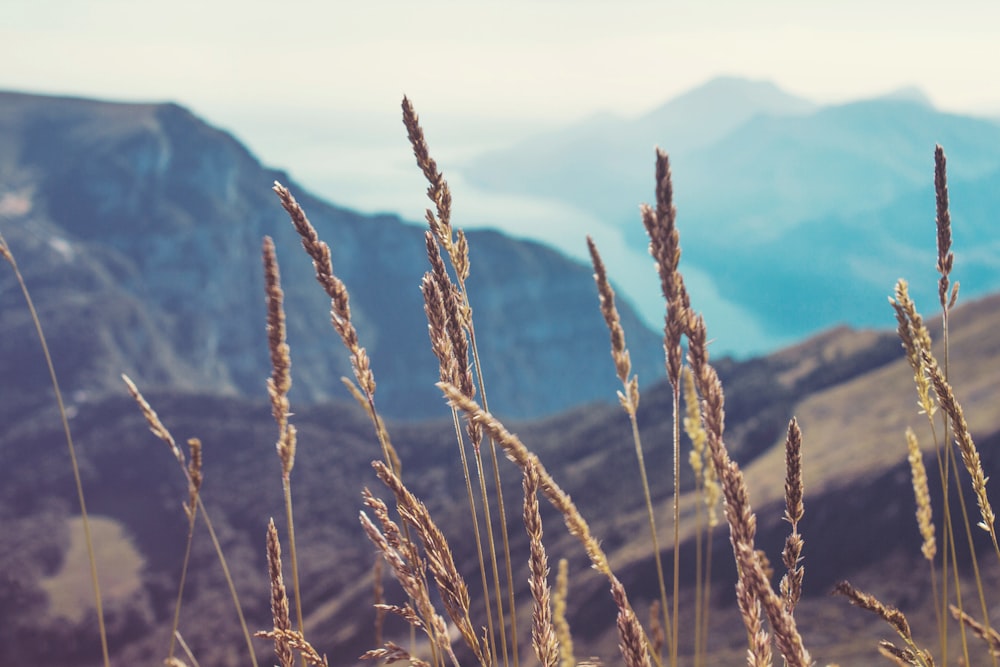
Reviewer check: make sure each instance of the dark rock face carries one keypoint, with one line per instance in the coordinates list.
(164, 216)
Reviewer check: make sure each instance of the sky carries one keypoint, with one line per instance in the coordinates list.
(303, 77)
(314, 86)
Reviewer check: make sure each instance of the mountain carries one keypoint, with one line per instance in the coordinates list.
(603, 164)
(139, 227)
(851, 391)
(776, 198)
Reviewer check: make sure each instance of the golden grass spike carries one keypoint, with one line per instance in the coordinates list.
(946, 258)
(606, 296)
(631, 639)
(437, 190)
(791, 583)
(340, 307)
(783, 626)
(898, 656)
(295, 639)
(153, 421)
(543, 634)
(450, 584)
(559, 597)
(889, 614)
(161, 432)
(7, 255)
(918, 474)
(629, 399)
(279, 598)
(987, 634)
(408, 568)
(278, 386)
(963, 439)
(459, 322)
(194, 477)
(281, 362)
(575, 523)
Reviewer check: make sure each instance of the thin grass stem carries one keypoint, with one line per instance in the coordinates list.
(6, 253)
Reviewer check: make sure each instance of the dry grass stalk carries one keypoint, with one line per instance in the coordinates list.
(450, 584)
(963, 439)
(195, 478)
(791, 556)
(707, 488)
(523, 458)
(628, 396)
(631, 638)
(187, 649)
(382, 433)
(378, 592)
(741, 520)
(559, 598)
(154, 423)
(279, 598)
(575, 523)
(281, 362)
(437, 328)
(543, 634)
(664, 246)
(890, 615)
(783, 626)
(987, 634)
(440, 326)
(922, 495)
(391, 653)
(174, 662)
(903, 657)
(298, 643)
(340, 306)
(915, 339)
(278, 386)
(704, 474)
(460, 313)
(946, 258)
(656, 636)
(408, 568)
(161, 432)
(438, 192)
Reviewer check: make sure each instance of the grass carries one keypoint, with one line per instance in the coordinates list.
(449, 624)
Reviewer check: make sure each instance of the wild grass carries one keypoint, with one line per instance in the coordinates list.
(483, 628)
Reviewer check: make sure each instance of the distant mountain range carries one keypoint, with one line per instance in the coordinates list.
(794, 211)
(139, 230)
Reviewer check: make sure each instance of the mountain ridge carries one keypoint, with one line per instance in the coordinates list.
(178, 210)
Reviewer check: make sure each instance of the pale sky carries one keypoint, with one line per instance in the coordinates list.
(552, 59)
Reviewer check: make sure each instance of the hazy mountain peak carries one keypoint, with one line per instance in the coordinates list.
(913, 94)
(729, 94)
(712, 110)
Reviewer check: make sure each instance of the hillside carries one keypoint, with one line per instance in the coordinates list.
(850, 390)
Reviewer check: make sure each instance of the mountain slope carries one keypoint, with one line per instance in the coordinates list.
(173, 211)
(850, 390)
(603, 163)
